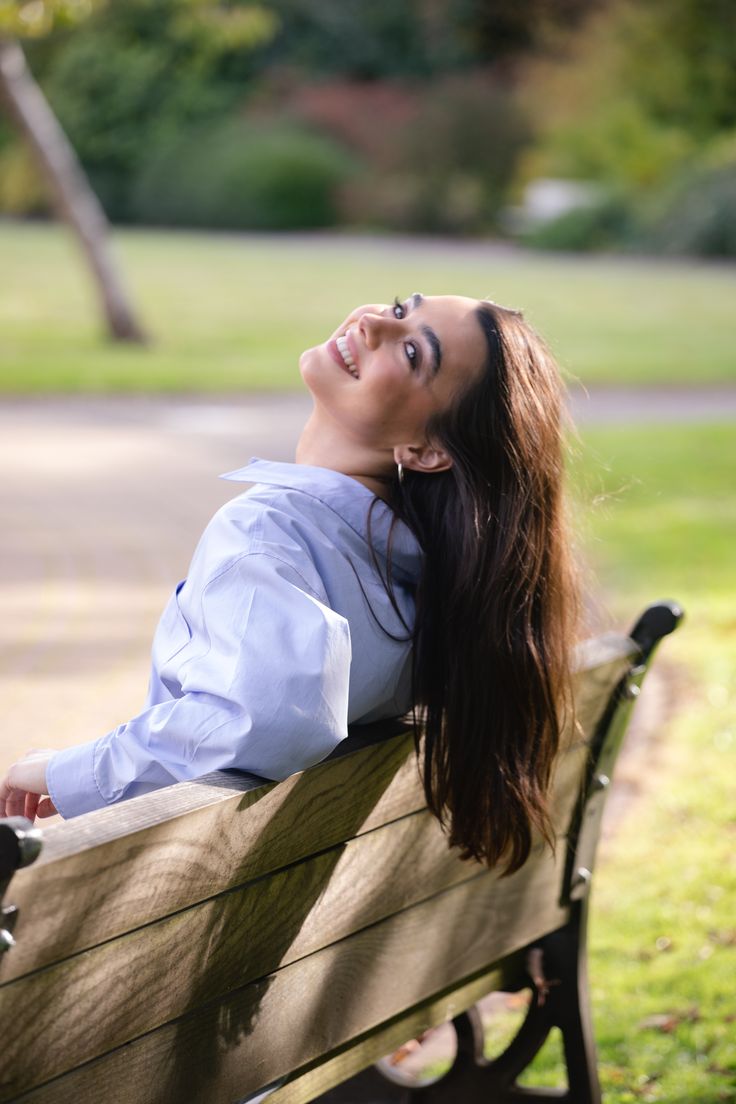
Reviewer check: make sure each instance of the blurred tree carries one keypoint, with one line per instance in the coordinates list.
(75, 201)
(114, 85)
(139, 74)
(414, 39)
(138, 77)
(509, 28)
(637, 92)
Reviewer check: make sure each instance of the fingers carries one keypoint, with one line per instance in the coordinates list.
(30, 773)
(24, 784)
(16, 802)
(19, 802)
(12, 800)
(31, 805)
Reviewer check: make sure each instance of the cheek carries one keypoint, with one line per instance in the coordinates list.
(386, 407)
(400, 411)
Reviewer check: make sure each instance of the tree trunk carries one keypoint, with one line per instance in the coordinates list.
(72, 195)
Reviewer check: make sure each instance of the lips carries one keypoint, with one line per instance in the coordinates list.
(342, 351)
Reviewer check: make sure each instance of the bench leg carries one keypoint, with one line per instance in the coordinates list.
(557, 973)
(558, 968)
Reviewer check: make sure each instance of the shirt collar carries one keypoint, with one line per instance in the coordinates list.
(348, 498)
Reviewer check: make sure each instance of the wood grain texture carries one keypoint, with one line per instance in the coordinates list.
(605, 648)
(592, 688)
(214, 835)
(134, 984)
(167, 968)
(309, 1009)
(311, 1083)
(140, 876)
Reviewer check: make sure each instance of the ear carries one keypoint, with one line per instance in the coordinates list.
(422, 458)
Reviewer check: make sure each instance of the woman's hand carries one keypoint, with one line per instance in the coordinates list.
(22, 789)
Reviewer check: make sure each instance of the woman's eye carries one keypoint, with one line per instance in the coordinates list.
(398, 308)
(411, 352)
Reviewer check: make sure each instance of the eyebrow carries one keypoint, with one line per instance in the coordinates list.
(432, 339)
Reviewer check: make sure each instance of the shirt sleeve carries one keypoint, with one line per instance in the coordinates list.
(263, 688)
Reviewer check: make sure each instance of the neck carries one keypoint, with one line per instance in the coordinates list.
(323, 445)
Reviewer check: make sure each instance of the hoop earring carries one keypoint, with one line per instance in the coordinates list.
(400, 470)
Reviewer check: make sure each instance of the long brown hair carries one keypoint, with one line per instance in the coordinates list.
(496, 600)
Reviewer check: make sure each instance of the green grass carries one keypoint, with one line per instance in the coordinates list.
(229, 312)
(663, 933)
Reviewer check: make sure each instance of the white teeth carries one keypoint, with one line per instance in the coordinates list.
(342, 344)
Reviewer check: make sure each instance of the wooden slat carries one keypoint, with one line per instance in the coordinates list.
(183, 800)
(262, 1031)
(603, 649)
(81, 898)
(570, 770)
(593, 685)
(318, 1079)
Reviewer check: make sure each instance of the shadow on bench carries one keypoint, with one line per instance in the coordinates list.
(231, 940)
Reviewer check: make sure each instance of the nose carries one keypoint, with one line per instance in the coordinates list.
(373, 327)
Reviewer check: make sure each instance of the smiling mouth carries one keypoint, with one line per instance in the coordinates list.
(344, 349)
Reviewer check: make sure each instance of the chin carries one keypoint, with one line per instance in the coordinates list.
(305, 359)
(309, 367)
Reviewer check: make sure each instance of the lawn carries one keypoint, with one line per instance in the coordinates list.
(232, 312)
(661, 522)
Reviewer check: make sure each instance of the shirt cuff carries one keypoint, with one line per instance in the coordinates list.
(71, 782)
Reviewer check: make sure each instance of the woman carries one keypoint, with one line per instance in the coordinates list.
(414, 556)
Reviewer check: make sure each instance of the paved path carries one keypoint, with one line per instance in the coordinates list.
(101, 503)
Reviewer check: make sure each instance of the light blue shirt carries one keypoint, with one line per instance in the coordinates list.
(281, 635)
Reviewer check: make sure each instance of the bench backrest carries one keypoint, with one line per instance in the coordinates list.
(205, 941)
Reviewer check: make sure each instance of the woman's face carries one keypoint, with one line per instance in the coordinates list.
(387, 369)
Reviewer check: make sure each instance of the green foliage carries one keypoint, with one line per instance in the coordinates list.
(463, 149)
(136, 74)
(678, 57)
(384, 39)
(240, 176)
(132, 80)
(35, 18)
(695, 214)
(622, 145)
(117, 99)
(596, 226)
(638, 91)
(698, 216)
(21, 191)
(447, 166)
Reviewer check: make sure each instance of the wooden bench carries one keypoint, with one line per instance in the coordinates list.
(228, 940)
